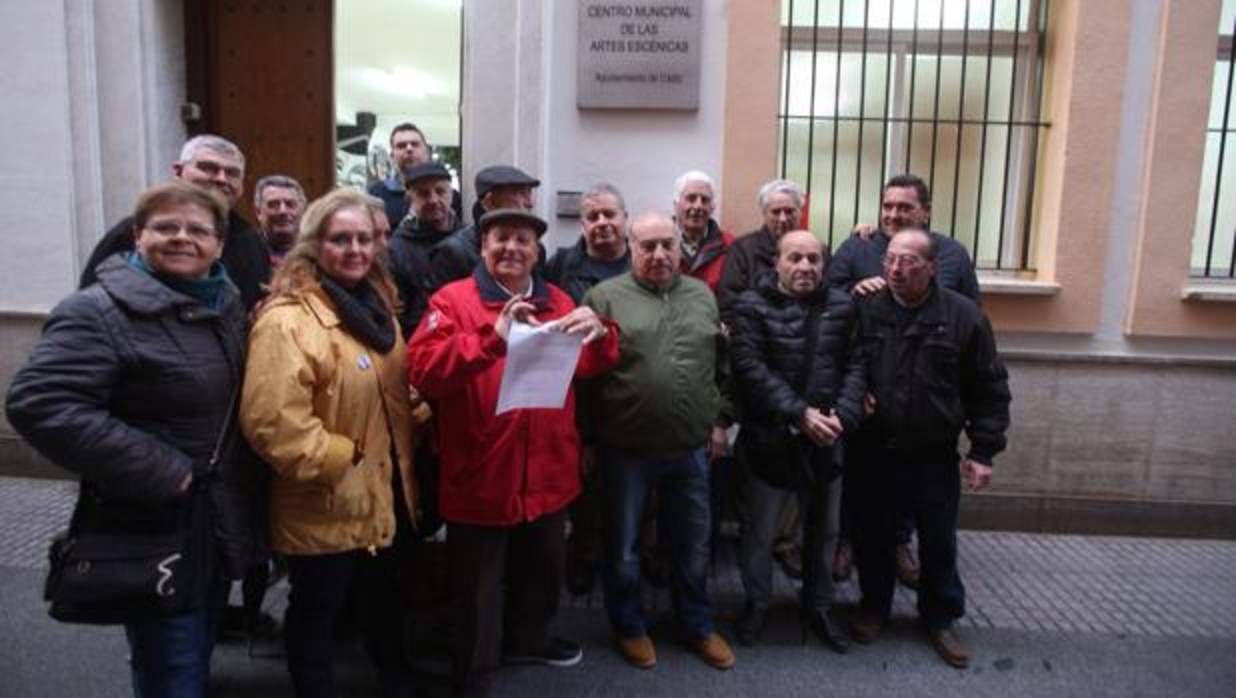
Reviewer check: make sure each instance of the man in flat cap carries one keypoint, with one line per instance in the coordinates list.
(431, 221)
(497, 187)
(506, 478)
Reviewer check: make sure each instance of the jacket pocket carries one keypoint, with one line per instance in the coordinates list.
(352, 497)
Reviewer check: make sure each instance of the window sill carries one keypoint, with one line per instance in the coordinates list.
(1004, 286)
(1209, 291)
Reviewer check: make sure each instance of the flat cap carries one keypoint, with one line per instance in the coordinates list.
(514, 214)
(502, 175)
(426, 170)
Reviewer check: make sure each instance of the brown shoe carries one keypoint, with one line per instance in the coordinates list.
(907, 566)
(843, 562)
(949, 646)
(715, 651)
(638, 651)
(866, 627)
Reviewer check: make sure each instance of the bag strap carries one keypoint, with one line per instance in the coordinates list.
(228, 418)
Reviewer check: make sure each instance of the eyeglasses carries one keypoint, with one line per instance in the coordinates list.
(170, 229)
(904, 260)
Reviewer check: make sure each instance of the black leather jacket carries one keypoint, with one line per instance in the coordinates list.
(938, 376)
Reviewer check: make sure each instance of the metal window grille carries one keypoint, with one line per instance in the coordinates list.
(947, 89)
(1214, 232)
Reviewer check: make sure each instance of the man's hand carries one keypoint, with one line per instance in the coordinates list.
(517, 308)
(869, 405)
(822, 429)
(975, 474)
(864, 230)
(582, 320)
(869, 285)
(718, 443)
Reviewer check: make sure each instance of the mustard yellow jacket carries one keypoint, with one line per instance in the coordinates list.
(315, 399)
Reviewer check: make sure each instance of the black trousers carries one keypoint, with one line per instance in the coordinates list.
(319, 592)
(529, 558)
(927, 488)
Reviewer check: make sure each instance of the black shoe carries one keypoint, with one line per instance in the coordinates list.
(556, 652)
(750, 625)
(581, 576)
(817, 623)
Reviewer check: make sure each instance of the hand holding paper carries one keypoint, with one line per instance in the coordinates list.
(540, 363)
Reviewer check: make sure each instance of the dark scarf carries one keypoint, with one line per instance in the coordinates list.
(208, 290)
(364, 314)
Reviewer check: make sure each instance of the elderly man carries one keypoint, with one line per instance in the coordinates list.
(498, 186)
(279, 201)
(802, 387)
(431, 222)
(857, 268)
(409, 148)
(216, 163)
(506, 478)
(704, 243)
(933, 370)
(781, 206)
(655, 418)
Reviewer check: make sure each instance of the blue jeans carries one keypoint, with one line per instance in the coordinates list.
(171, 656)
(683, 491)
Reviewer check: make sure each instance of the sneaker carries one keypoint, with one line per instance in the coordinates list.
(715, 652)
(843, 562)
(949, 646)
(557, 652)
(866, 627)
(790, 557)
(638, 651)
(908, 570)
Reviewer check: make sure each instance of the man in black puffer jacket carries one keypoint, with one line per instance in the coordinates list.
(802, 387)
(933, 370)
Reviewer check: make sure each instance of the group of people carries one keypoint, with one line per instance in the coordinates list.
(350, 370)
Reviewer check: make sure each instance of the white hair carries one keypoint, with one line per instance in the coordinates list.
(693, 176)
(780, 186)
(209, 141)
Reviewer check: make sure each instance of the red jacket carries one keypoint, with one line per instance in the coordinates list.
(709, 262)
(497, 470)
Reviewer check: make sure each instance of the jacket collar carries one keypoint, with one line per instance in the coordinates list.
(673, 285)
(145, 295)
(321, 306)
(492, 293)
(411, 229)
(931, 313)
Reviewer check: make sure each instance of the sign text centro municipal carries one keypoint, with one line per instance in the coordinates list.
(639, 55)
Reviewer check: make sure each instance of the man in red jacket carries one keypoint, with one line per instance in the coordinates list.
(506, 478)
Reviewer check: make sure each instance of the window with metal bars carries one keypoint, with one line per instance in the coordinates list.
(1214, 232)
(949, 90)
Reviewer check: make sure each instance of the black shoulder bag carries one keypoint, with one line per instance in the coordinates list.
(122, 563)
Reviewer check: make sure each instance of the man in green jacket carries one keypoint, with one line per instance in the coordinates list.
(657, 420)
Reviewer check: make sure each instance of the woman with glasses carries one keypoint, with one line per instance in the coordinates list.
(326, 404)
(131, 387)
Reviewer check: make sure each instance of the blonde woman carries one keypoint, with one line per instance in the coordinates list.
(326, 403)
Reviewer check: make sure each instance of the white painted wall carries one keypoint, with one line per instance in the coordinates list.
(530, 73)
(92, 92)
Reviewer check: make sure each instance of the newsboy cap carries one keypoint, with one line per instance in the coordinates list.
(514, 214)
(502, 175)
(426, 170)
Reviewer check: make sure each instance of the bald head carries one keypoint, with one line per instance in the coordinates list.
(800, 263)
(655, 249)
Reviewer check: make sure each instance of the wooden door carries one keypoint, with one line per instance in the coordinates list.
(262, 72)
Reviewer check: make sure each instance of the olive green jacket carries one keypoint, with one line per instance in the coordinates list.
(667, 391)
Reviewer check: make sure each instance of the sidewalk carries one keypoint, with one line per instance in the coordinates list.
(1047, 615)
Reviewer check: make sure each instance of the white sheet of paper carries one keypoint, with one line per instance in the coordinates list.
(540, 364)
